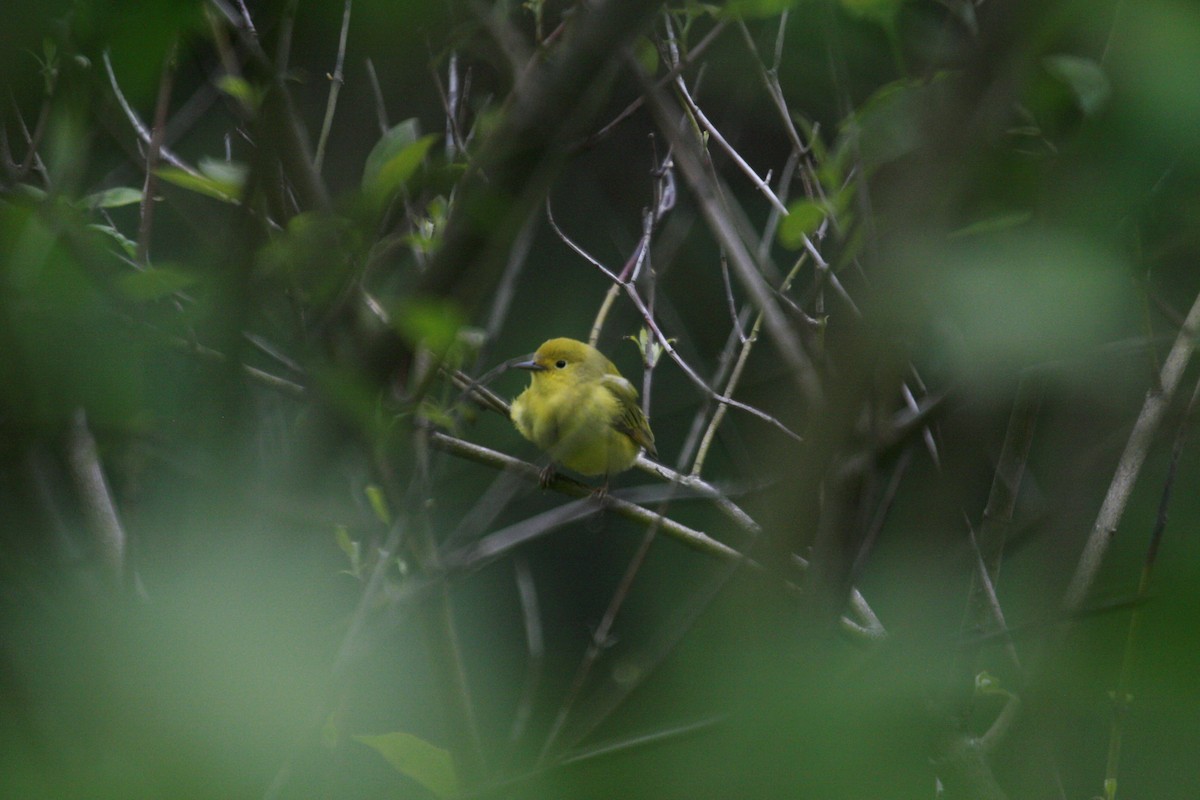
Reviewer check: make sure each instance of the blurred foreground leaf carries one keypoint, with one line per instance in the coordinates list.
(394, 159)
(416, 758)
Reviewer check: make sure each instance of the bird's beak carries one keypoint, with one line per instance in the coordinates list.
(530, 365)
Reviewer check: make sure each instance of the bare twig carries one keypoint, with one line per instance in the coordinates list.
(377, 93)
(150, 185)
(530, 472)
(723, 228)
(335, 86)
(139, 127)
(534, 644)
(759, 183)
(675, 71)
(734, 377)
(100, 510)
(668, 347)
(599, 641)
(1122, 695)
(1130, 464)
(770, 79)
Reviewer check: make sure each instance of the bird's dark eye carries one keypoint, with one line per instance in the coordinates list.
(561, 363)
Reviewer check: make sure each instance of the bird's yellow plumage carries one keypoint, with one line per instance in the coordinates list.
(580, 410)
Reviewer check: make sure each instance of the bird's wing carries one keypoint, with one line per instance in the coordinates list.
(630, 420)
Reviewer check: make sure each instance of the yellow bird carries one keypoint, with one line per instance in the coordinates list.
(581, 411)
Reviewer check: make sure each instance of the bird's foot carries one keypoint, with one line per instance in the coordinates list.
(601, 491)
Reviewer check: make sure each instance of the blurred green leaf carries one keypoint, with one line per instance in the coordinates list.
(888, 124)
(351, 548)
(438, 416)
(29, 191)
(240, 90)
(314, 256)
(1016, 298)
(1084, 77)
(430, 323)
(1155, 63)
(224, 184)
(427, 232)
(987, 684)
(646, 54)
(344, 542)
(378, 504)
(154, 283)
(127, 244)
(112, 198)
(331, 731)
(803, 219)
(999, 222)
(883, 12)
(395, 158)
(427, 764)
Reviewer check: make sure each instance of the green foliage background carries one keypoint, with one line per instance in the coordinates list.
(320, 592)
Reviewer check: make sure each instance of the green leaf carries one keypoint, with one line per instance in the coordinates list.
(231, 173)
(999, 222)
(437, 416)
(331, 731)
(427, 764)
(223, 190)
(112, 198)
(646, 54)
(883, 12)
(241, 90)
(30, 192)
(803, 219)
(1084, 78)
(394, 159)
(888, 124)
(379, 504)
(153, 284)
(351, 548)
(431, 323)
(127, 244)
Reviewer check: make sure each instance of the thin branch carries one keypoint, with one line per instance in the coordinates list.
(531, 473)
(770, 79)
(829, 275)
(668, 347)
(675, 71)
(985, 588)
(150, 185)
(451, 98)
(1130, 464)
(714, 134)
(335, 86)
(377, 93)
(139, 127)
(33, 140)
(507, 286)
(600, 639)
(703, 187)
(1122, 695)
(534, 643)
(735, 377)
(282, 385)
(100, 510)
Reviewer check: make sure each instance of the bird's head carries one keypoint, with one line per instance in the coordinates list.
(566, 360)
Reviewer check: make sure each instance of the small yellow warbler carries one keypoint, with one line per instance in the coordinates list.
(581, 411)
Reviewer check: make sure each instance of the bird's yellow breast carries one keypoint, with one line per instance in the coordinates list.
(575, 424)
